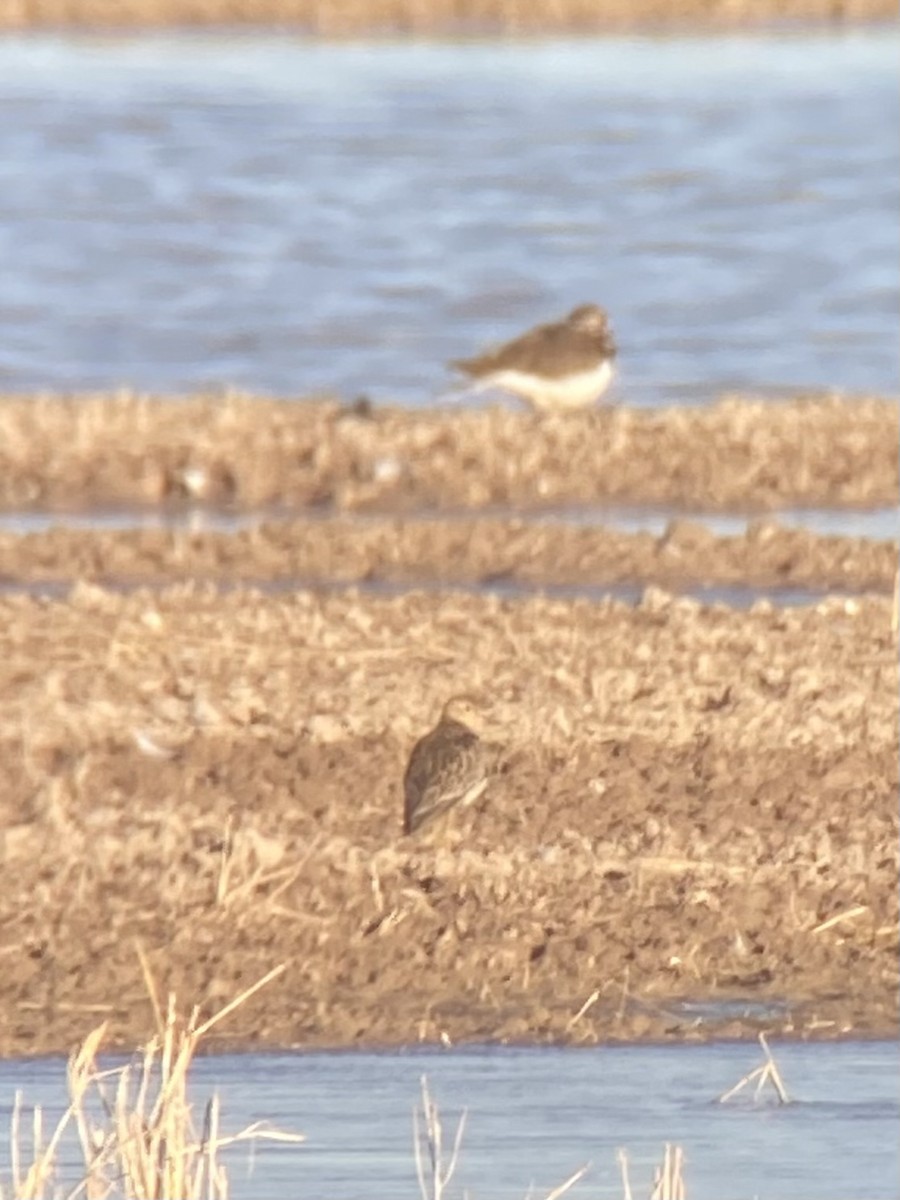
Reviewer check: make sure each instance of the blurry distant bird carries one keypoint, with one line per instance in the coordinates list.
(558, 367)
(448, 766)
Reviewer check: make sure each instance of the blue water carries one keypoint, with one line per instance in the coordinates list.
(285, 215)
(880, 523)
(877, 523)
(536, 1115)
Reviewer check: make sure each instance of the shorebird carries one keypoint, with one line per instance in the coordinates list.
(559, 367)
(448, 766)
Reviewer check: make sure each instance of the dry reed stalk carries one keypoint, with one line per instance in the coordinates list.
(150, 984)
(435, 1175)
(287, 875)
(668, 1181)
(588, 1004)
(432, 1185)
(623, 1000)
(849, 915)
(562, 1188)
(135, 1127)
(767, 1073)
(622, 1156)
(225, 856)
(668, 1178)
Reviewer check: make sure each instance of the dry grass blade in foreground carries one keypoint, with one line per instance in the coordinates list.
(435, 1174)
(767, 1073)
(433, 1181)
(135, 1126)
(668, 1179)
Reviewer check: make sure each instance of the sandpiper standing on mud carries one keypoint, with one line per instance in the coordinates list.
(448, 766)
(560, 367)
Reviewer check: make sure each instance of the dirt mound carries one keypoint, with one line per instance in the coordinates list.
(690, 804)
(691, 828)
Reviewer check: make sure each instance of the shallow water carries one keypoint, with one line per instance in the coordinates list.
(536, 1115)
(181, 210)
(880, 523)
(737, 596)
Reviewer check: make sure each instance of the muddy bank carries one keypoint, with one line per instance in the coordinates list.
(128, 450)
(468, 551)
(689, 804)
(437, 16)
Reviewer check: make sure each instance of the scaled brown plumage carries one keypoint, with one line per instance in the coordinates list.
(552, 351)
(448, 766)
(562, 366)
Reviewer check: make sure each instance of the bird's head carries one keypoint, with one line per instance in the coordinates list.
(588, 318)
(466, 710)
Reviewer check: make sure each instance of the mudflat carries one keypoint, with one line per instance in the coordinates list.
(691, 825)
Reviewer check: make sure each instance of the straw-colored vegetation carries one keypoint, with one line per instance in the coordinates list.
(742, 453)
(491, 552)
(766, 1074)
(134, 1126)
(436, 1163)
(139, 1139)
(337, 17)
(669, 819)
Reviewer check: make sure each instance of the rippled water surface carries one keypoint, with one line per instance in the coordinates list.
(258, 210)
(534, 1116)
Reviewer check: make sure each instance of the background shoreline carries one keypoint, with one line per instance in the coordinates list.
(443, 17)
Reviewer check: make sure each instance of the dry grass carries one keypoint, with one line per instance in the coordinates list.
(346, 17)
(139, 1141)
(766, 1074)
(250, 452)
(459, 551)
(677, 778)
(436, 1166)
(138, 1138)
(135, 1126)
(668, 1177)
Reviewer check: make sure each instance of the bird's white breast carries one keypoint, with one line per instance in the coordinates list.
(569, 392)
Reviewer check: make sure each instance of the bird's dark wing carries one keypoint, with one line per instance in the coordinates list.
(550, 350)
(498, 358)
(443, 766)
